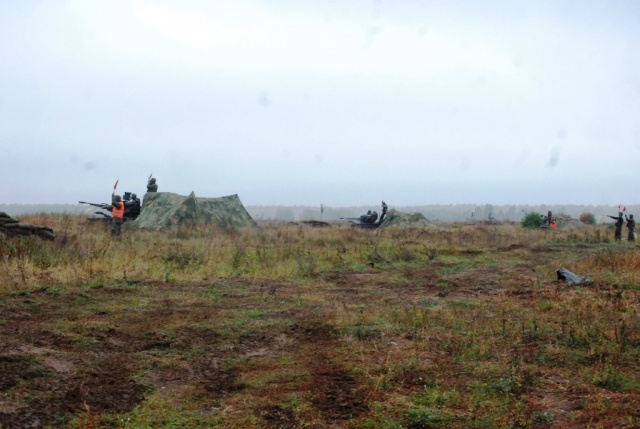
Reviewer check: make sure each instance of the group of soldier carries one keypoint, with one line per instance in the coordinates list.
(631, 226)
(128, 208)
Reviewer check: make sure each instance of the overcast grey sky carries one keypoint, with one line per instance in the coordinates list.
(295, 102)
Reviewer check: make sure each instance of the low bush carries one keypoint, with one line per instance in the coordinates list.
(588, 218)
(532, 220)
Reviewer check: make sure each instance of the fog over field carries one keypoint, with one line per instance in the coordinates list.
(337, 103)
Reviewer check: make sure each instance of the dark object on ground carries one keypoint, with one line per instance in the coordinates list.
(102, 216)
(369, 220)
(316, 223)
(569, 277)
(11, 226)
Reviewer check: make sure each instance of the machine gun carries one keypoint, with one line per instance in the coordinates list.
(368, 220)
(126, 197)
(94, 204)
(103, 216)
(126, 200)
(365, 218)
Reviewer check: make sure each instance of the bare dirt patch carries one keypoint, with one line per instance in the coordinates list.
(335, 393)
(271, 349)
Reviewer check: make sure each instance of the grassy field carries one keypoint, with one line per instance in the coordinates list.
(456, 326)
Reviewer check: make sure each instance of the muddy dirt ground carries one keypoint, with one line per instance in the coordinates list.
(236, 346)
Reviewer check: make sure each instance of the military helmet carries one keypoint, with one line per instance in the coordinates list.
(134, 196)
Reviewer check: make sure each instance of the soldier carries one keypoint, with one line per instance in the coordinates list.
(152, 186)
(619, 223)
(132, 207)
(117, 214)
(631, 226)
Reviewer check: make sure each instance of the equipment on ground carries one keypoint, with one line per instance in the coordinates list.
(369, 220)
(104, 206)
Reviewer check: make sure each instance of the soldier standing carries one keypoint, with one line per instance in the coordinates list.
(117, 214)
(132, 207)
(384, 211)
(631, 226)
(619, 223)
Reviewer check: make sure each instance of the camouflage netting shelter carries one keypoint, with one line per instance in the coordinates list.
(396, 218)
(165, 210)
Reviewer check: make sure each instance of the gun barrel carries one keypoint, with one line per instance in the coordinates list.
(92, 204)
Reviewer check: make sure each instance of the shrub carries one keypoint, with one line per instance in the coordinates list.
(532, 220)
(588, 218)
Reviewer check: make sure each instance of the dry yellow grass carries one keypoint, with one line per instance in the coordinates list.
(454, 326)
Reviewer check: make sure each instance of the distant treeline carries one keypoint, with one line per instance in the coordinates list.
(435, 212)
(443, 213)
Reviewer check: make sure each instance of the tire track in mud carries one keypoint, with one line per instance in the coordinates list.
(104, 385)
(332, 389)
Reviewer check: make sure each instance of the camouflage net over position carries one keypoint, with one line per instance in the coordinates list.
(165, 210)
(396, 218)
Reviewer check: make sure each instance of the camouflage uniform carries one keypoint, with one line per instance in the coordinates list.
(152, 186)
(116, 226)
(132, 207)
(631, 226)
(619, 223)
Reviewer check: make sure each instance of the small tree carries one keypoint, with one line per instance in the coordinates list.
(532, 220)
(588, 218)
